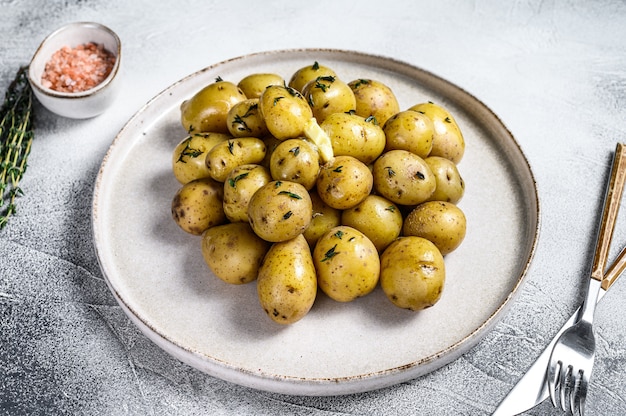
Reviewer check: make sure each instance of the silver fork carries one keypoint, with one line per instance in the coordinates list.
(571, 361)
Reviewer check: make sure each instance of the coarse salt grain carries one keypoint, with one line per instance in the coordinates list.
(77, 69)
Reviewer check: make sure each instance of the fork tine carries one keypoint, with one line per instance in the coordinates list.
(581, 403)
(576, 393)
(554, 372)
(565, 387)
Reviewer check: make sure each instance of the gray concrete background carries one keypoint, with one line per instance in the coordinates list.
(554, 72)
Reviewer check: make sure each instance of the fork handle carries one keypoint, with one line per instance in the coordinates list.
(612, 201)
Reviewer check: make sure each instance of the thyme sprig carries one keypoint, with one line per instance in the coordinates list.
(16, 137)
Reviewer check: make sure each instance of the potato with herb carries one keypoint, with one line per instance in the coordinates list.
(280, 211)
(231, 153)
(442, 223)
(253, 85)
(287, 283)
(308, 73)
(448, 140)
(234, 252)
(450, 185)
(328, 95)
(373, 98)
(344, 182)
(197, 205)
(376, 217)
(323, 219)
(239, 186)
(285, 111)
(208, 109)
(403, 177)
(245, 120)
(353, 135)
(295, 160)
(189, 156)
(410, 130)
(412, 273)
(347, 264)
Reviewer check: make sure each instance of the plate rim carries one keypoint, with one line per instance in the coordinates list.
(319, 386)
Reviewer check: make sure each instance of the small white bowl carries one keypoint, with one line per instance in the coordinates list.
(79, 105)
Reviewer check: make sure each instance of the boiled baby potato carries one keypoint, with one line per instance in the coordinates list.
(253, 85)
(448, 140)
(197, 205)
(285, 111)
(347, 264)
(308, 73)
(403, 177)
(287, 283)
(280, 210)
(450, 185)
(344, 183)
(373, 98)
(231, 153)
(245, 120)
(240, 184)
(409, 130)
(376, 217)
(323, 219)
(234, 252)
(440, 222)
(353, 135)
(189, 157)
(295, 160)
(412, 273)
(328, 95)
(208, 109)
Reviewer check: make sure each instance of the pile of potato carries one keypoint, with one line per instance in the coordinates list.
(318, 184)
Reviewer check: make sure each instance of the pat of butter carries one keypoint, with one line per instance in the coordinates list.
(318, 136)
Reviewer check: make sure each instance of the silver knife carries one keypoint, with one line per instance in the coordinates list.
(532, 388)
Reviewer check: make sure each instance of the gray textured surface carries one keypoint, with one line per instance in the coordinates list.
(555, 72)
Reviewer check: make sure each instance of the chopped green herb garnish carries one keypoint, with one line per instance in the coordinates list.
(330, 253)
(290, 194)
(233, 181)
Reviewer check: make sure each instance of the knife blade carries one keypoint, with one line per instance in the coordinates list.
(532, 388)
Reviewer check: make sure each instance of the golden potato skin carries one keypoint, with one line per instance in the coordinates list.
(412, 273)
(189, 156)
(442, 223)
(227, 155)
(308, 73)
(285, 111)
(323, 219)
(328, 95)
(410, 130)
(345, 182)
(287, 283)
(280, 211)
(347, 264)
(239, 186)
(450, 185)
(245, 120)
(353, 135)
(208, 109)
(295, 160)
(234, 252)
(448, 140)
(373, 98)
(197, 205)
(403, 177)
(376, 217)
(253, 85)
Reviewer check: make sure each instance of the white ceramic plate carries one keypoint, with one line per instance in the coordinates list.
(158, 276)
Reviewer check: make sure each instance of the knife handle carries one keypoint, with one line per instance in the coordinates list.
(609, 213)
(615, 270)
